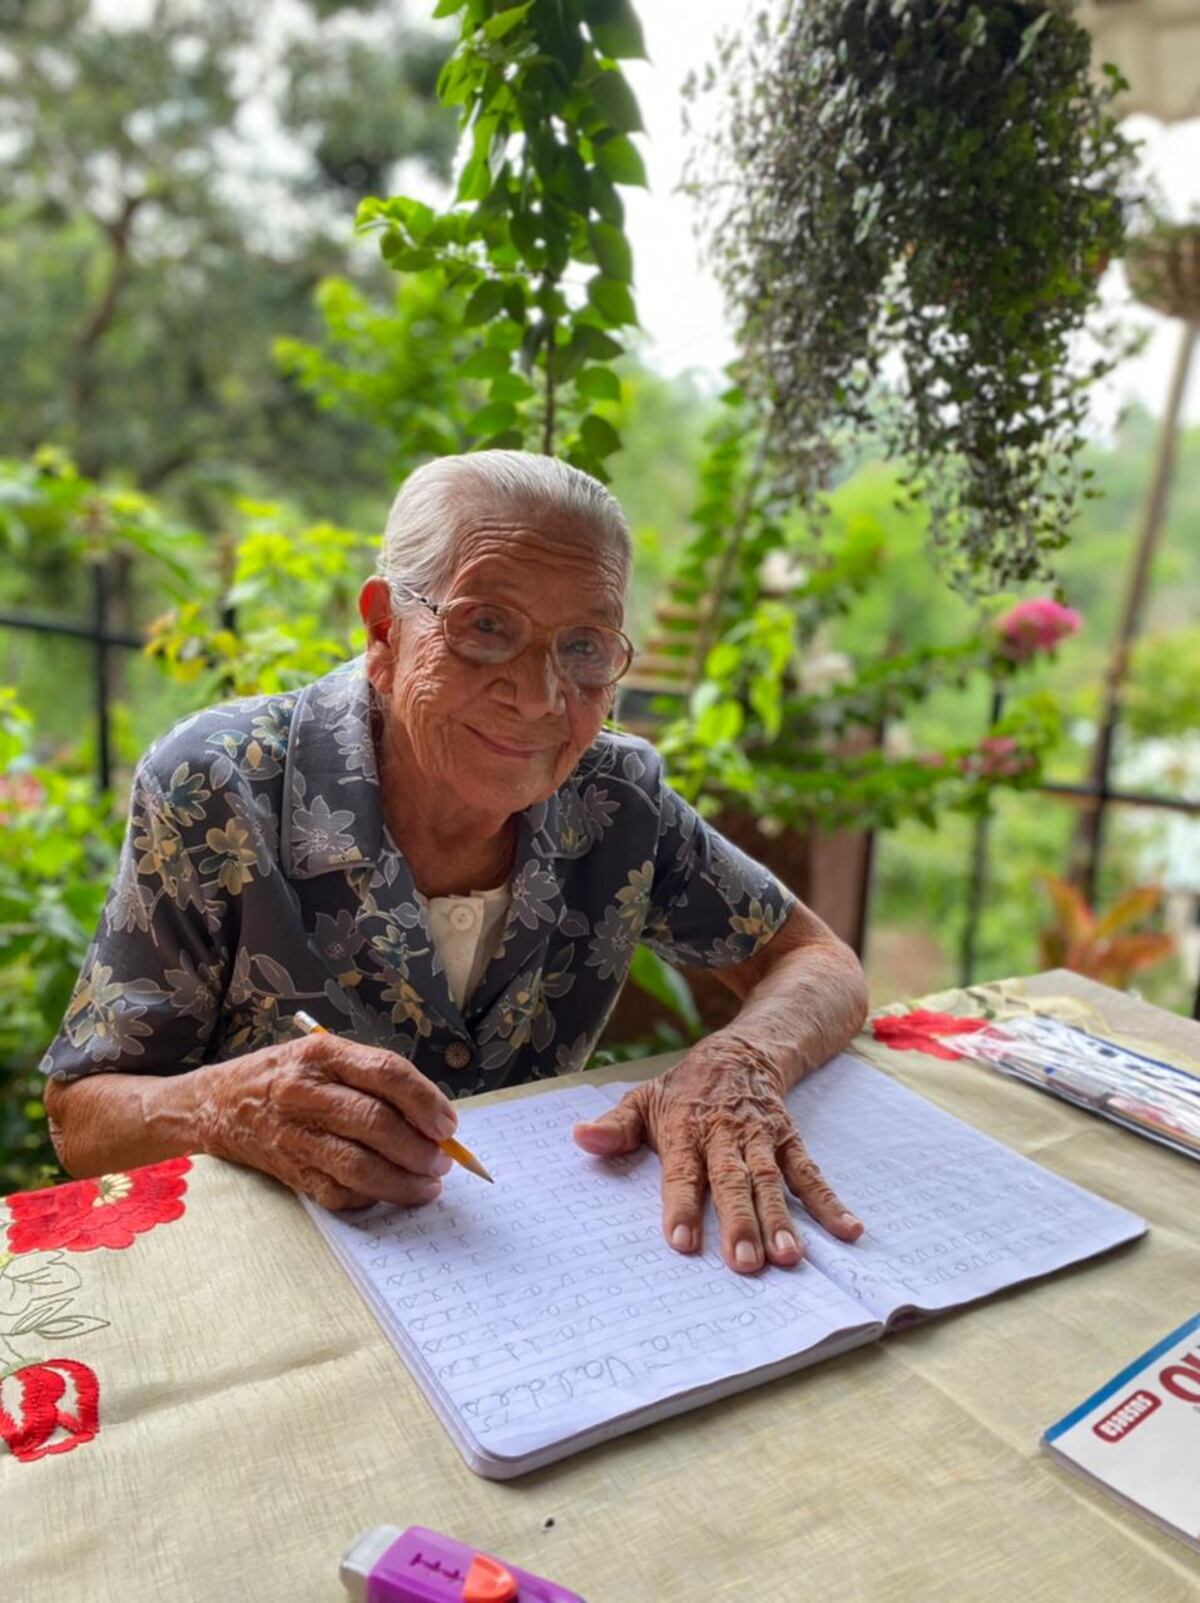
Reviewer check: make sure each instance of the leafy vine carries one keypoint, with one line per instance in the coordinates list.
(535, 234)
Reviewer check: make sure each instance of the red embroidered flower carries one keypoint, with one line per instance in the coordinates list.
(107, 1212)
(49, 1408)
(919, 1031)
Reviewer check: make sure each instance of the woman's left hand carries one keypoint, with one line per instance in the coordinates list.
(718, 1122)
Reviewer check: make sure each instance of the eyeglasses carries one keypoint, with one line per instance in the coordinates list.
(587, 655)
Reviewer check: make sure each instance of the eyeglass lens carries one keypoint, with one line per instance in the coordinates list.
(587, 654)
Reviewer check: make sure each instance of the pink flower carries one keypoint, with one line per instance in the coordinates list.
(19, 793)
(996, 757)
(1033, 626)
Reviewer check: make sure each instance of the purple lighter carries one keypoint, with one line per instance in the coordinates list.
(388, 1565)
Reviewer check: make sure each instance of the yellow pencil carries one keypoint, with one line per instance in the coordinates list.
(452, 1148)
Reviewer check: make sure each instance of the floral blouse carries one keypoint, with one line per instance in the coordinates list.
(257, 877)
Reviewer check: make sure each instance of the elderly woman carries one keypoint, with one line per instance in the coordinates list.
(446, 858)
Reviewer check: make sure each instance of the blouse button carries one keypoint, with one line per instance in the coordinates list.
(457, 1055)
(462, 918)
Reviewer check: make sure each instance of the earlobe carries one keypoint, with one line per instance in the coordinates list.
(381, 666)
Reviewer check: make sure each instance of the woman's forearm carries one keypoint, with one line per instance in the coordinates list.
(108, 1122)
(804, 1010)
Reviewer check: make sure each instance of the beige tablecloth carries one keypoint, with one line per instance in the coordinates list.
(253, 1420)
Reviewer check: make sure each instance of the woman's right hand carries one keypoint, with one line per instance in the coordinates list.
(346, 1124)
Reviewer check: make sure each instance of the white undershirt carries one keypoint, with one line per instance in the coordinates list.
(465, 931)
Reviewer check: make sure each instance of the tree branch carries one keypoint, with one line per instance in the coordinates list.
(101, 319)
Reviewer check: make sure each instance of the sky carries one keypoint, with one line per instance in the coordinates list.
(679, 301)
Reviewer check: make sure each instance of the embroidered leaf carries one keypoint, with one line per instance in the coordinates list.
(62, 1329)
(40, 1310)
(35, 1276)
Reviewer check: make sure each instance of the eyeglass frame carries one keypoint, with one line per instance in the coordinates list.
(439, 609)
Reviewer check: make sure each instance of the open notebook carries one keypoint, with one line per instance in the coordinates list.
(546, 1313)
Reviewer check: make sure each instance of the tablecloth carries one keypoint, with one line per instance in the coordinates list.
(225, 1415)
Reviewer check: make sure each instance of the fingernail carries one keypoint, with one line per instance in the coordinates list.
(445, 1124)
(442, 1164)
(785, 1241)
(429, 1192)
(681, 1238)
(746, 1252)
(849, 1219)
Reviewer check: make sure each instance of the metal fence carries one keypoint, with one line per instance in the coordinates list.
(103, 641)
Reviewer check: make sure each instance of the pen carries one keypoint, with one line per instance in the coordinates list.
(452, 1148)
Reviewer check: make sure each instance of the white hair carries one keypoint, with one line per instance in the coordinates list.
(436, 505)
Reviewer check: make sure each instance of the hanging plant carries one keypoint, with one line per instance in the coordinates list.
(1163, 266)
(915, 201)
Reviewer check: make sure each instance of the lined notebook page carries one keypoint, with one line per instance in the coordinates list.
(546, 1312)
(951, 1214)
(548, 1305)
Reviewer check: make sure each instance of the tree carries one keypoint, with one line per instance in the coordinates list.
(172, 193)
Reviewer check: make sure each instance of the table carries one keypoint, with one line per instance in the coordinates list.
(252, 1419)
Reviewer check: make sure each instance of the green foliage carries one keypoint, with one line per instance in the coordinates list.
(58, 846)
(548, 116)
(293, 593)
(933, 189)
(665, 985)
(761, 731)
(53, 519)
(1162, 697)
(396, 370)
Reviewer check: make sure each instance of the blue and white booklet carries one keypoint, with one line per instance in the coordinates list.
(1139, 1435)
(1156, 1099)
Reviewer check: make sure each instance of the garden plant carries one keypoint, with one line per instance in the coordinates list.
(507, 317)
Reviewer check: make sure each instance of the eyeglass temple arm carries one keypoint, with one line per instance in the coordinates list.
(398, 584)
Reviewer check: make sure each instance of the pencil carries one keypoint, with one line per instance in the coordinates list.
(452, 1148)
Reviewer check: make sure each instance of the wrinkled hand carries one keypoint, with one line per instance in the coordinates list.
(344, 1123)
(718, 1122)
